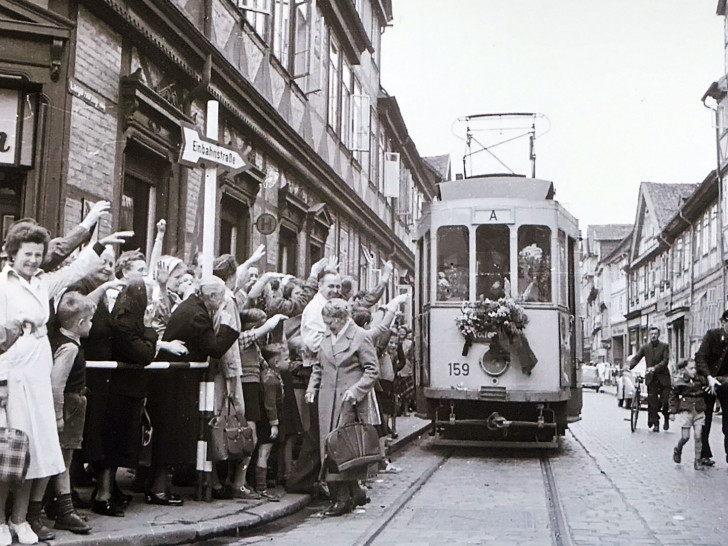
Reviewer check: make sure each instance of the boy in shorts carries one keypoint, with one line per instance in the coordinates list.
(68, 378)
(686, 398)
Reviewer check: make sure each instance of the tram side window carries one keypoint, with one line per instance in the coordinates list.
(563, 271)
(534, 263)
(492, 261)
(453, 250)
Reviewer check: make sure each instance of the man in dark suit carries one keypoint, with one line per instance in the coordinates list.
(712, 363)
(657, 378)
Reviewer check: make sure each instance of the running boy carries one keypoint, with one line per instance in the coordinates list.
(686, 398)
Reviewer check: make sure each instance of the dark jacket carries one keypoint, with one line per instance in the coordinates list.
(97, 345)
(192, 324)
(656, 356)
(688, 394)
(132, 343)
(712, 352)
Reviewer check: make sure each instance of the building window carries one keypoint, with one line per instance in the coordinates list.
(287, 251)
(381, 151)
(282, 31)
(346, 129)
(234, 219)
(257, 13)
(137, 213)
(373, 145)
(334, 84)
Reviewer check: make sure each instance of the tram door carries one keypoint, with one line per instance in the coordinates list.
(573, 407)
(421, 320)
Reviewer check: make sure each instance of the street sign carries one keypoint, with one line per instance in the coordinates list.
(197, 150)
(266, 223)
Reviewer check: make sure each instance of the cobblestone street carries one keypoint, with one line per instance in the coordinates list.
(614, 487)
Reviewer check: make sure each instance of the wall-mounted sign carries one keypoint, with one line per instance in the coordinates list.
(9, 110)
(197, 150)
(77, 90)
(266, 223)
(17, 127)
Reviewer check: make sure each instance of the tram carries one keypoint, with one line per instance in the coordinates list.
(501, 245)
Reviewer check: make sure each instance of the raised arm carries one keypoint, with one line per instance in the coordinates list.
(61, 248)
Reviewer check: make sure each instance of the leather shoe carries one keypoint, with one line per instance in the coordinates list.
(655, 428)
(222, 493)
(107, 508)
(360, 499)
(339, 508)
(707, 461)
(72, 522)
(119, 497)
(40, 529)
(677, 455)
(666, 425)
(698, 465)
(163, 499)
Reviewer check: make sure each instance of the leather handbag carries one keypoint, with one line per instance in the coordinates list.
(14, 455)
(351, 446)
(229, 437)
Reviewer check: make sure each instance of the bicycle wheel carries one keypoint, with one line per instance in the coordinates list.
(634, 411)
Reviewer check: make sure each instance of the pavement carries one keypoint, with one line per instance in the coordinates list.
(196, 520)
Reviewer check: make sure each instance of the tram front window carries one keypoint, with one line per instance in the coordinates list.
(492, 261)
(534, 263)
(453, 250)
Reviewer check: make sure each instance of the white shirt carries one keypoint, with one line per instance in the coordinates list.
(313, 327)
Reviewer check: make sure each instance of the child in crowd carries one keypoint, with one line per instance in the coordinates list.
(686, 398)
(68, 379)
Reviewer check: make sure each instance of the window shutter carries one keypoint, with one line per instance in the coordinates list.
(391, 174)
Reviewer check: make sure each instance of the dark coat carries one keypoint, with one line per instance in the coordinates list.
(192, 324)
(97, 345)
(349, 364)
(656, 356)
(712, 352)
(132, 343)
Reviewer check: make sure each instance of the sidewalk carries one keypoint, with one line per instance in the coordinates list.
(196, 521)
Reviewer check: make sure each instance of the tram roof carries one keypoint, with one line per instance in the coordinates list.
(497, 187)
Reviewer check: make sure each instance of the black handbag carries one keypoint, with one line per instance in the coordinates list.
(229, 437)
(351, 446)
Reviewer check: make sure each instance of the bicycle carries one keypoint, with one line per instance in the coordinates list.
(636, 403)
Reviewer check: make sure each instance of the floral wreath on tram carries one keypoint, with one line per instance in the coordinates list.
(500, 324)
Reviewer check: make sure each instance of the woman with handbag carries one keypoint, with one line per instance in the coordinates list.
(343, 376)
(25, 290)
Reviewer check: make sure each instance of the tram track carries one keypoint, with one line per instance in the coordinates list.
(557, 515)
(400, 502)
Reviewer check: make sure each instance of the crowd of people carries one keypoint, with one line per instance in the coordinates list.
(290, 358)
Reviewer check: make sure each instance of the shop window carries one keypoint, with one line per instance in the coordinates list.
(11, 187)
(534, 263)
(492, 261)
(453, 251)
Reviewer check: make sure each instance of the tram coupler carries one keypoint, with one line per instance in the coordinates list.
(496, 421)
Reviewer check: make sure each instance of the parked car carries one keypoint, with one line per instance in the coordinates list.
(625, 385)
(590, 377)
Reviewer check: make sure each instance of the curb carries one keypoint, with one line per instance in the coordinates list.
(184, 532)
(402, 441)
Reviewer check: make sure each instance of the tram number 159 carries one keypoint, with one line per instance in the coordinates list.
(457, 368)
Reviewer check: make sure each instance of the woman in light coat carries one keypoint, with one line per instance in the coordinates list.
(26, 291)
(344, 375)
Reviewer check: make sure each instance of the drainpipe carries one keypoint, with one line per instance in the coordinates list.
(717, 92)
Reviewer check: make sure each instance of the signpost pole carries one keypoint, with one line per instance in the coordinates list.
(208, 222)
